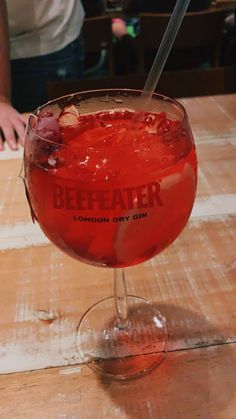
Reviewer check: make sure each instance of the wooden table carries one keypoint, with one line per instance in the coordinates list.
(43, 294)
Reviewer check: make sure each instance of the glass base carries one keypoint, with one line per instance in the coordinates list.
(122, 353)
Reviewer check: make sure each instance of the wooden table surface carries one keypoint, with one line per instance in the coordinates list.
(43, 294)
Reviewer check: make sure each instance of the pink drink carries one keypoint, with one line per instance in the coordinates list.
(108, 197)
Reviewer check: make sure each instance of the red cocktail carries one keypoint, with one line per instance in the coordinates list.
(108, 186)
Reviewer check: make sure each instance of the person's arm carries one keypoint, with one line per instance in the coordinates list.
(12, 123)
(5, 90)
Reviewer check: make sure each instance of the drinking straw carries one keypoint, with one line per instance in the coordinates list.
(164, 49)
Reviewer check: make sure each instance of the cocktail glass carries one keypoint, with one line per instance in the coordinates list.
(113, 187)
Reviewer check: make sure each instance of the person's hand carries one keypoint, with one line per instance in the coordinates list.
(12, 126)
(119, 28)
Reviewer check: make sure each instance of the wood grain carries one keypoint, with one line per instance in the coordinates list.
(188, 384)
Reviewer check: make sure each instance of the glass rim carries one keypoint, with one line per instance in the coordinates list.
(159, 96)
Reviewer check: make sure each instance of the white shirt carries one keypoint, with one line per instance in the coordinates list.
(39, 27)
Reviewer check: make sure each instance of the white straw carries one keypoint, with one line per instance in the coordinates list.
(164, 49)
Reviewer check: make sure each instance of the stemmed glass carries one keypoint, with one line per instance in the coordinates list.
(113, 187)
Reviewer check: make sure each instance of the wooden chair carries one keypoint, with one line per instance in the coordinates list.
(98, 39)
(186, 83)
(198, 30)
(180, 83)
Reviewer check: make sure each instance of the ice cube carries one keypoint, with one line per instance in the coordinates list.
(68, 117)
(67, 120)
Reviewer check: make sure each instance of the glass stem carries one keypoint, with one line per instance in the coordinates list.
(120, 295)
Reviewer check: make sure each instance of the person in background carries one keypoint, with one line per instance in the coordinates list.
(125, 49)
(39, 41)
(177, 59)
